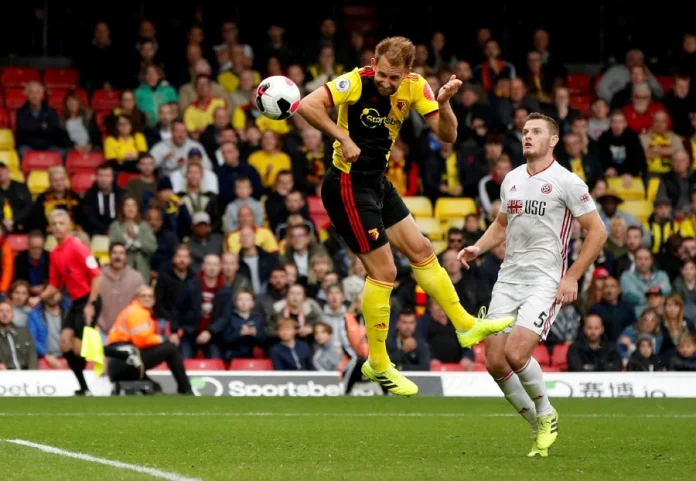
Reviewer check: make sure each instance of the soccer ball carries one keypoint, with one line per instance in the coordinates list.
(278, 97)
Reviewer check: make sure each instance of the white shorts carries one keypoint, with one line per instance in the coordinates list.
(533, 307)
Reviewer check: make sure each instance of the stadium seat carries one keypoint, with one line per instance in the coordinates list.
(251, 365)
(666, 81)
(105, 100)
(578, 84)
(100, 117)
(160, 367)
(61, 78)
(4, 119)
(14, 98)
(559, 358)
(479, 353)
(17, 176)
(430, 227)
(446, 367)
(125, 177)
(639, 208)
(455, 224)
(583, 103)
(79, 162)
(37, 182)
(204, 364)
(80, 182)
(652, 189)
(419, 206)
(635, 192)
(99, 245)
(18, 242)
(447, 208)
(57, 96)
(40, 160)
(258, 353)
(317, 212)
(478, 367)
(18, 76)
(43, 365)
(541, 354)
(7, 140)
(13, 120)
(10, 159)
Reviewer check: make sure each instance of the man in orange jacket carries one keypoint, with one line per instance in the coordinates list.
(135, 346)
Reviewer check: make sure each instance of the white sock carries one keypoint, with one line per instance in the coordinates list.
(518, 397)
(532, 379)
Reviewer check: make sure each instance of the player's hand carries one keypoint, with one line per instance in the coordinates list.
(351, 152)
(88, 312)
(409, 345)
(468, 254)
(449, 89)
(204, 337)
(567, 290)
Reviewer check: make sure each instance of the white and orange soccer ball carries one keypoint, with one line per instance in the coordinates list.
(277, 97)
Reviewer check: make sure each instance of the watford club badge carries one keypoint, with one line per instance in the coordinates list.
(374, 233)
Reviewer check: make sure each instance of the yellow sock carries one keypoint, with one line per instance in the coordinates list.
(436, 283)
(376, 309)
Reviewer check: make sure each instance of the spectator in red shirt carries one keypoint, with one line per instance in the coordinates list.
(74, 269)
(640, 111)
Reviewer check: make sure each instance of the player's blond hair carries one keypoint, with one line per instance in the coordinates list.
(397, 51)
(553, 126)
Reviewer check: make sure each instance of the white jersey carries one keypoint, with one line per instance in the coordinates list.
(540, 210)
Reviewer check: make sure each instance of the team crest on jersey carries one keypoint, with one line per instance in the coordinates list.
(546, 189)
(374, 233)
(401, 105)
(343, 85)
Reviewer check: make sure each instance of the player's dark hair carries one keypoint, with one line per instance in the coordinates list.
(397, 51)
(114, 244)
(242, 179)
(553, 126)
(105, 166)
(283, 172)
(494, 138)
(407, 312)
(617, 112)
(635, 227)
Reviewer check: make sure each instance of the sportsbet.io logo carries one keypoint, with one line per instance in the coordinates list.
(370, 118)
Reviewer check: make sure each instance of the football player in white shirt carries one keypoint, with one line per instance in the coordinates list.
(539, 202)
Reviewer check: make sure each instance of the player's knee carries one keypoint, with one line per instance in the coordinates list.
(383, 272)
(516, 358)
(497, 365)
(420, 249)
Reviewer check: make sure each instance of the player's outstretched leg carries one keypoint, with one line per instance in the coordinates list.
(518, 352)
(436, 283)
(378, 368)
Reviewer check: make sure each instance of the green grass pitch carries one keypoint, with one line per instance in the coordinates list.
(344, 439)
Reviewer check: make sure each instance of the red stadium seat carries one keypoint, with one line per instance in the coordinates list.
(160, 367)
(18, 242)
(251, 365)
(258, 353)
(322, 221)
(317, 212)
(125, 177)
(446, 366)
(40, 160)
(79, 162)
(61, 78)
(559, 357)
(13, 120)
(80, 182)
(100, 118)
(2, 99)
(105, 100)
(43, 365)
(583, 103)
(666, 81)
(204, 364)
(478, 367)
(578, 84)
(14, 98)
(18, 76)
(4, 119)
(57, 96)
(541, 354)
(479, 353)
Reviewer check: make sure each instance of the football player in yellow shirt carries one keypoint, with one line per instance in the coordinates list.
(363, 205)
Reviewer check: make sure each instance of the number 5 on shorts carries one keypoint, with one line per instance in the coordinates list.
(542, 318)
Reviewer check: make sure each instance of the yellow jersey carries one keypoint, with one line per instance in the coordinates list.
(372, 120)
(198, 116)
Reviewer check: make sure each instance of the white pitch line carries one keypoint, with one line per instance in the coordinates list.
(155, 473)
(357, 415)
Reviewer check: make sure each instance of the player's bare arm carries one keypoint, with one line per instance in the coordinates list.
(48, 292)
(494, 236)
(445, 123)
(591, 247)
(314, 110)
(93, 296)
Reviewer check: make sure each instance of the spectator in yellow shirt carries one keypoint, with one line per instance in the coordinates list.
(249, 115)
(199, 114)
(123, 147)
(263, 237)
(270, 159)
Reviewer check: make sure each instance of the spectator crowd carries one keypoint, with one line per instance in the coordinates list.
(175, 180)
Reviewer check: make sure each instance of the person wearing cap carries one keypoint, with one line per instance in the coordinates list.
(635, 284)
(209, 181)
(203, 240)
(660, 224)
(171, 154)
(16, 201)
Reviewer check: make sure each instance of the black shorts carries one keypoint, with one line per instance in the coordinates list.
(361, 208)
(75, 318)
